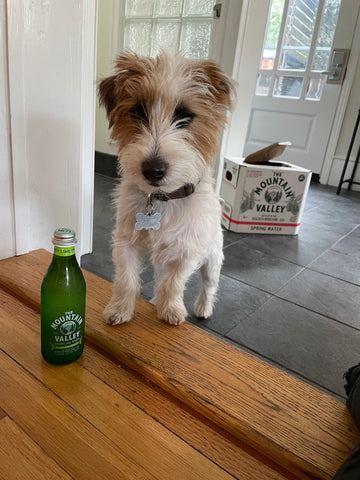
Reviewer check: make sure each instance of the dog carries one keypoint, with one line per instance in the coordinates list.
(165, 115)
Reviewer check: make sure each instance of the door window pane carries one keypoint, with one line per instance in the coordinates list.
(196, 38)
(168, 8)
(166, 32)
(263, 84)
(169, 24)
(287, 86)
(299, 28)
(326, 35)
(272, 34)
(199, 7)
(139, 8)
(137, 36)
(314, 89)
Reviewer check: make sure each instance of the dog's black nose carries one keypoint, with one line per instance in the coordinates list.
(154, 169)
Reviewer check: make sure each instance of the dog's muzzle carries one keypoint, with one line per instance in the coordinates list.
(154, 169)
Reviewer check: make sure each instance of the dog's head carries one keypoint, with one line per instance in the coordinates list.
(166, 114)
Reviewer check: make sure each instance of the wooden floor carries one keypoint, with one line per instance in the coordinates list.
(148, 400)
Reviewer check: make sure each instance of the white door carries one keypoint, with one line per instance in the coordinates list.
(294, 100)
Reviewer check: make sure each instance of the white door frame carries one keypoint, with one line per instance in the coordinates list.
(87, 126)
(15, 42)
(7, 230)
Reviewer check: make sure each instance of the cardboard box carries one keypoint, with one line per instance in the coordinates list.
(265, 197)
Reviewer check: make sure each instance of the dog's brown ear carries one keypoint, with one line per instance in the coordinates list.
(222, 86)
(106, 92)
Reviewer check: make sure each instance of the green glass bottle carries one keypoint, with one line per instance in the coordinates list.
(63, 292)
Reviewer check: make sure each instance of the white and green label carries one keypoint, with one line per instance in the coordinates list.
(64, 251)
(67, 331)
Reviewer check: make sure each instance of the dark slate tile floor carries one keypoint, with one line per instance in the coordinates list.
(293, 301)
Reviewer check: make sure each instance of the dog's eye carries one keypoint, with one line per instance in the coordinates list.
(182, 117)
(138, 112)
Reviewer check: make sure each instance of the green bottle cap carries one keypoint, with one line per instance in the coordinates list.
(64, 237)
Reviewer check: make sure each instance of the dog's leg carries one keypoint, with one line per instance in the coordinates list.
(210, 273)
(169, 291)
(126, 285)
(158, 273)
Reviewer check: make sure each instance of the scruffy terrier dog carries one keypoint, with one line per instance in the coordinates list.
(166, 114)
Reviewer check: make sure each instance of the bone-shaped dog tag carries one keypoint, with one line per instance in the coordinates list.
(147, 222)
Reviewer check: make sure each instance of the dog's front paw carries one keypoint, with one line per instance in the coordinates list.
(202, 309)
(114, 316)
(172, 315)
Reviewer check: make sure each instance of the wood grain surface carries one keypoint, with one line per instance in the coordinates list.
(233, 456)
(73, 414)
(22, 458)
(302, 429)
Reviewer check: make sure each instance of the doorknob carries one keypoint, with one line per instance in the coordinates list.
(338, 64)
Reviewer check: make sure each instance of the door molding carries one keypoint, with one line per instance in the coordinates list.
(87, 124)
(7, 232)
(15, 42)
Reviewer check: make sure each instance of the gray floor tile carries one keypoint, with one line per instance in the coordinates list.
(98, 264)
(339, 222)
(325, 295)
(104, 211)
(349, 245)
(302, 341)
(338, 265)
(256, 268)
(319, 235)
(324, 195)
(232, 237)
(100, 261)
(147, 275)
(235, 300)
(300, 249)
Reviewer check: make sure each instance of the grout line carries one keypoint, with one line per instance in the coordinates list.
(333, 276)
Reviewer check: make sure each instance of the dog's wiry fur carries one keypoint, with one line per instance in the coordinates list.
(166, 111)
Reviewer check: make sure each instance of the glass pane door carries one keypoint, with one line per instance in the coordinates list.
(297, 46)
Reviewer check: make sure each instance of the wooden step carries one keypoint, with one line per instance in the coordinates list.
(306, 431)
(179, 432)
(107, 430)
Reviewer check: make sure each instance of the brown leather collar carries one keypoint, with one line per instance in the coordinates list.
(181, 192)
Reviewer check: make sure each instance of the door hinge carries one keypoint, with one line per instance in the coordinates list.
(217, 10)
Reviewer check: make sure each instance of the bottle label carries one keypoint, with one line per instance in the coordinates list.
(64, 251)
(67, 333)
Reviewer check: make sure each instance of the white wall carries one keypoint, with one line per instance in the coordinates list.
(51, 77)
